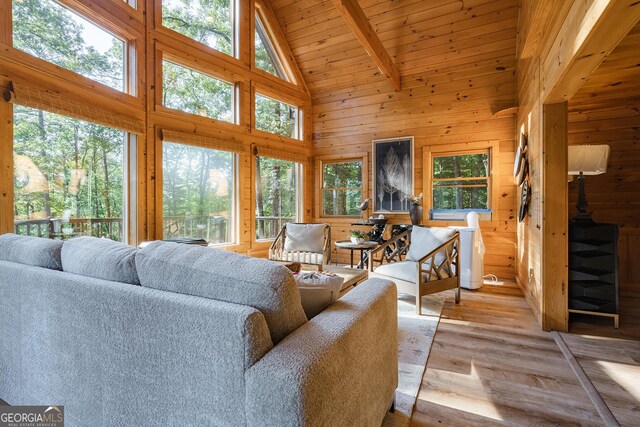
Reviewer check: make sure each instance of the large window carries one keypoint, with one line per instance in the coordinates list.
(342, 188)
(208, 21)
(276, 195)
(50, 31)
(266, 57)
(198, 193)
(276, 117)
(460, 182)
(196, 93)
(69, 177)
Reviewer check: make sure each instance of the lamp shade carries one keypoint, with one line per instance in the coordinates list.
(588, 159)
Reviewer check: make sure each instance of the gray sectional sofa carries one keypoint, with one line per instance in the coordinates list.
(181, 335)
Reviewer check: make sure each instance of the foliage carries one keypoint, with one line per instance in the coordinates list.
(208, 21)
(197, 183)
(342, 188)
(187, 90)
(461, 182)
(415, 200)
(275, 116)
(276, 195)
(52, 32)
(358, 234)
(265, 58)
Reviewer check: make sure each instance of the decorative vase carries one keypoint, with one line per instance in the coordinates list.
(357, 240)
(415, 213)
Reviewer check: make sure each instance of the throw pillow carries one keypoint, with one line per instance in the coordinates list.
(34, 251)
(304, 238)
(100, 259)
(318, 291)
(426, 239)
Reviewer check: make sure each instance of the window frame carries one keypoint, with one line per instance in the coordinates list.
(299, 120)
(132, 56)
(321, 161)
(236, 211)
(130, 165)
(493, 148)
(235, 31)
(299, 172)
(163, 55)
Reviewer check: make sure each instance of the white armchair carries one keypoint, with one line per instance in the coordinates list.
(421, 261)
(308, 244)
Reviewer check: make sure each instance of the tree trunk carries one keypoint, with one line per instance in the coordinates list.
(456, 170)
(107, 194)
(274, 197)
(43, 139)
(259, 200)
(76, 158)
(202, 186)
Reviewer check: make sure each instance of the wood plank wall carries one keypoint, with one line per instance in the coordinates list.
(142, 28)
(539, 24)
(457, 64)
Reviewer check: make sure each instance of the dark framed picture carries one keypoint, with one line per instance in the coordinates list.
(392, 174)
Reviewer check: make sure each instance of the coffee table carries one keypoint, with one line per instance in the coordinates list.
(351, 276)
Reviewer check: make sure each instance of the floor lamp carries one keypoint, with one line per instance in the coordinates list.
(586, 160)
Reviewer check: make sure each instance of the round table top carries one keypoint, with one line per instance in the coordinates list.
(347, 244)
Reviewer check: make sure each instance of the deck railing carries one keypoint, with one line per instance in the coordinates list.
(57, 228)
(268, 227)
(213, 229)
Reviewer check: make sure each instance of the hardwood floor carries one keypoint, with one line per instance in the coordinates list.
(490, 364)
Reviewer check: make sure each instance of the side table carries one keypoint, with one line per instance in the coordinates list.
(362, 247)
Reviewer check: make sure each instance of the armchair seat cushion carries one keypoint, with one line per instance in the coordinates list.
(302, 257)
(406, 270)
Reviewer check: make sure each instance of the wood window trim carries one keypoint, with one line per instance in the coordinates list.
(257, 89)
(457, 149)
(209, 143)
(320, 161)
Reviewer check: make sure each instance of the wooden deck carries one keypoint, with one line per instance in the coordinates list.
(490, 364)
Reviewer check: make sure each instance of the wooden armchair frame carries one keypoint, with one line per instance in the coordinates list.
(435, 278)
(278, 253)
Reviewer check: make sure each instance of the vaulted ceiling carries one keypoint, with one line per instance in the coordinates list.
(420, 36)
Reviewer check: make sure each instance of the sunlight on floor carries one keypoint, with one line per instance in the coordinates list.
(626, 376)
(480, 404)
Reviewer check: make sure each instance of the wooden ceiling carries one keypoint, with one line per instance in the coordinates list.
(419, 35)
(615, 84)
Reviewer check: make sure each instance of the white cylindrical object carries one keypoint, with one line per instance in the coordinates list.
(471, 253)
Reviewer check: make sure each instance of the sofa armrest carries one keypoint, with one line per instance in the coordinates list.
(340, 368)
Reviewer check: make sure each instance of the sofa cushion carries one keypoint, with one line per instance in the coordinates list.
(426, 239)
(225, 276)
(100, 259)
(318, 291)
(33, 251)
(304, 238)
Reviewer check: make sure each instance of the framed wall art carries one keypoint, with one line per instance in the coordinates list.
(392, 174)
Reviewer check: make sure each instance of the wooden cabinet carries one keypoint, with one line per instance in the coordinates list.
(593, 269)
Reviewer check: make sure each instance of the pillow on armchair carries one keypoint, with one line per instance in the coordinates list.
(304, 238)
(426, 239)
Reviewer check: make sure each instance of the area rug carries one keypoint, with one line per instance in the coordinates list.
(415, 336)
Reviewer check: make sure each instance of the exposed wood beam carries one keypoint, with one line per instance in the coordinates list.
(364, 32)
(591, 30)
(555, 218)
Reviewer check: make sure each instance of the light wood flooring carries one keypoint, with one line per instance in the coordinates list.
(490, 364)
